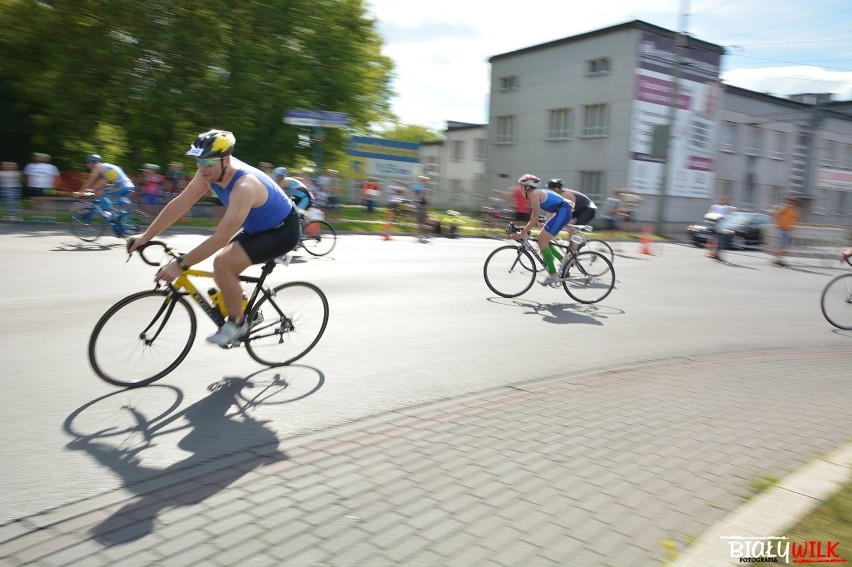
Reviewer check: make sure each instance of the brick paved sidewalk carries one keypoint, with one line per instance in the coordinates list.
(585, 469)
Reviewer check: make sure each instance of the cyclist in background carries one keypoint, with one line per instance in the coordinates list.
(108, 180)
(255, 204)
(302, 197)
(550, 202)
(584, 208)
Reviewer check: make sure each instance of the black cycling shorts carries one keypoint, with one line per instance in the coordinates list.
(585, 216)
(269, 244)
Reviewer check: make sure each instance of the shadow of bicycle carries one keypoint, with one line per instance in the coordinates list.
(117, 429)
(562, 313)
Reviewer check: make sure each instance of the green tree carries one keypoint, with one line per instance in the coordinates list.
(135, 81)
(412, 133)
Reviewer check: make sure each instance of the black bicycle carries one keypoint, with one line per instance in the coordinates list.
(146, 335)
(836, 301)
(586, 276)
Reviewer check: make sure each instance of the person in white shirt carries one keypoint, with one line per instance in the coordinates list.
(42, 177)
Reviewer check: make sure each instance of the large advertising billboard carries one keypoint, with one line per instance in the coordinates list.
(696, 119)
(384, 159)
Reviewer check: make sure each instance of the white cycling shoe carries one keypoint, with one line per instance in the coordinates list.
(229, 334)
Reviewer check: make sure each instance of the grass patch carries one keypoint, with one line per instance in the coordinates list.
(831, 521)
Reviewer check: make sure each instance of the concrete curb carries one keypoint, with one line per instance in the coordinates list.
(773, 511)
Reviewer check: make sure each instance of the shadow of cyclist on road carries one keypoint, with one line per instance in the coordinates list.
(212, 433)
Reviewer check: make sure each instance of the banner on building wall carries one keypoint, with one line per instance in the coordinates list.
(837, 179)
(692, 149)
(388, 159)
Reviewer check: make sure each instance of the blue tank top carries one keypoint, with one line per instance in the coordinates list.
(268, 215)
(553, 201)
(115, 176)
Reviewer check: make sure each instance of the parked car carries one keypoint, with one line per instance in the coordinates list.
(747, 229)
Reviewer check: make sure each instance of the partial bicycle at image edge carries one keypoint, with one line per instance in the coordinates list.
(146, 335)
(836, 300)
(586, 276)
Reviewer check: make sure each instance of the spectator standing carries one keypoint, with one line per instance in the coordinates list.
(520, 204)
(152, 185)
(175, 180)
(42, 177)
(422, 197)
(786, 218)
(717, 213)
(370, 192)
(628, 202)
(10, 184)
(329, 183)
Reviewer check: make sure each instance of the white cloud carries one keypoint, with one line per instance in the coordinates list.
(785, 81)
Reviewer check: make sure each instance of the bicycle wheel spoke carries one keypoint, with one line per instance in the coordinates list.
(142, 338)
(85, 223)
(288, 324)
(589, 278)
(836, 302)
(509, 271)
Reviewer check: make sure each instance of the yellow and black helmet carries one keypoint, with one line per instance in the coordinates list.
(212, 144)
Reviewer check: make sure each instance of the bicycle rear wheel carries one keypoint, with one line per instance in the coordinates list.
(509, 271)
(142, 338)
(836, 302)
(85, 223)
(589, 277)
(601, 247)
(318, 238)
(287, 323)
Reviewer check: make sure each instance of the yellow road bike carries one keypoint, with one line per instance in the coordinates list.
(146, 335)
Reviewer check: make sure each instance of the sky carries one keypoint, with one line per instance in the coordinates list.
(440, 48)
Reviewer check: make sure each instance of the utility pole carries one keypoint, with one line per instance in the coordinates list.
(674, 100)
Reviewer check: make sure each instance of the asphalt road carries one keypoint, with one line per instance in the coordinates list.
(410, 324)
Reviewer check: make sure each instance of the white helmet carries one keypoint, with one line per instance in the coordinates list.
(529, 180)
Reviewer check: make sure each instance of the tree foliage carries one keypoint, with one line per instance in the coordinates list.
(136, 81)
(412, 133)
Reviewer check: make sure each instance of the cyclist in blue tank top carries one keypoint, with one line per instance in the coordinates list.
(551, 202)
(257, 210)
(108, 180)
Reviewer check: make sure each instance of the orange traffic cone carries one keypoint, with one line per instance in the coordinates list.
(388, 226)
(645, 246)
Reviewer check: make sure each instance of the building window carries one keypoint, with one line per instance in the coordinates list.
(507, 130)
(561, 124)
(779, 145)
(729, 137)
(773, 196)
(595, 120)
(829, 154)
(754, 143)
(458, 151)
(479, 146)
(510, 83)
(592, 184)
(599, 66)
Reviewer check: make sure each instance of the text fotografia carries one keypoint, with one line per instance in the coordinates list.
(778, 549)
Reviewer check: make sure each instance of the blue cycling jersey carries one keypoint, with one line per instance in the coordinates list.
(268, 215)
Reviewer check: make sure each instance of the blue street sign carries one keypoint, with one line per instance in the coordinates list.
(321, 118)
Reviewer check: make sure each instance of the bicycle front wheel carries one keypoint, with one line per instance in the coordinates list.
(836, 302)
(601, 247)
(509, 271)
(588, 278)
(318, 238)
(85, 223)
(287, 323)
(142, 338)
